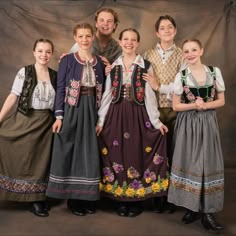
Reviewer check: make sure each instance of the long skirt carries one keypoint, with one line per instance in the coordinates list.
(133, 155)
(197, 173)
(25, 153)
(75, 172)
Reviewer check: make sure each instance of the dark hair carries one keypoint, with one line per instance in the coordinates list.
(197, 41)
(166, 17)
(83, 26)
(132, 30)
(109, 10)
(43, 41)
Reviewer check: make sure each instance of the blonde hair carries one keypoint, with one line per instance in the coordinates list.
(83, 26)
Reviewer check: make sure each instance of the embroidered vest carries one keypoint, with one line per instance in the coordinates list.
(29, 85)
(137, 83)
(165, 72)
(74, 82)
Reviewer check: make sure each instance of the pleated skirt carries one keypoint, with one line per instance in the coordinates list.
(197, 173)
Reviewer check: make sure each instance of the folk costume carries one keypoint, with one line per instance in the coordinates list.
(26, 138)
(166, 64)
(134, 159)
(197, 174)
(75, 171)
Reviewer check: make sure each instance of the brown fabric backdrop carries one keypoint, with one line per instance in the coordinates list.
(212, 21)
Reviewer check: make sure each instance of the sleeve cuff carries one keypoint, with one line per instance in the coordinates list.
(59, 117)
(100, 122)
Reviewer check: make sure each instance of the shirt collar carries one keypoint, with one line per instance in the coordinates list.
(170, 49)
(138, 61)
(93, 61)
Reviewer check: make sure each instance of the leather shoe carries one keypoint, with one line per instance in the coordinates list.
(170, 208)
(135, 210)
(157, 204)
(161, 205)
(122, 210)
(76, 207)
(190, 216)
(79, 211)
(90, 207)
(40, 209)
(209, 222)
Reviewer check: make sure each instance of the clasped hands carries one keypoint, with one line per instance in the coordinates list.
(200, 104)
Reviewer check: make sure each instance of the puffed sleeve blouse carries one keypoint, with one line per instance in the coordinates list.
(178, 85)
(149, 99)
(43, 95)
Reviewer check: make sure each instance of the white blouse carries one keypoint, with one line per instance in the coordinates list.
(149, 98)
(88, 76)
(43, 95)
(178, 86)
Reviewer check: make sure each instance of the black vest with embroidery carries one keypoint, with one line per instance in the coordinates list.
(29, 86)
(137, 83)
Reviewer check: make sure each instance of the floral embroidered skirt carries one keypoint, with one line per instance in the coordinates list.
(25, 152)
(75, 172)
(133, 155)
(197, 173)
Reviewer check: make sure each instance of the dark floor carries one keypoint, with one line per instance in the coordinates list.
(16, 220)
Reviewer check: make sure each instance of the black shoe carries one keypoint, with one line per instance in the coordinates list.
(170, 208)
(122, 209)
(209, 222)
(190, 216)
(79, 211)
(158, 204)
(40, 209)
(76, 207)
(90, 207)
(135, 209)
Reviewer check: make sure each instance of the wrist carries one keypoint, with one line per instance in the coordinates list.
(156, 89)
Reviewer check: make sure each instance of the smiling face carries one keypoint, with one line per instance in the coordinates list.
(129, 42)
(43, 53)
(105, 23)
(192, 52)
(166, 31)
(84, 38)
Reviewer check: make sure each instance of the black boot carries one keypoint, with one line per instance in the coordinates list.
(76, 206)
(135, 208)
(90, 207)
(209, 222)
(158, 204)
(190, 216)
(170, 208)
(122, 209)
(40, 209)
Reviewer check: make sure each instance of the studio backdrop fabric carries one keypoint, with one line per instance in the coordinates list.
(211, 21)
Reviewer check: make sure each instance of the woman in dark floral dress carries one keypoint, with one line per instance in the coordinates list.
(132, 141)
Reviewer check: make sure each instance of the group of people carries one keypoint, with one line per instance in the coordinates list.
(116, 124)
